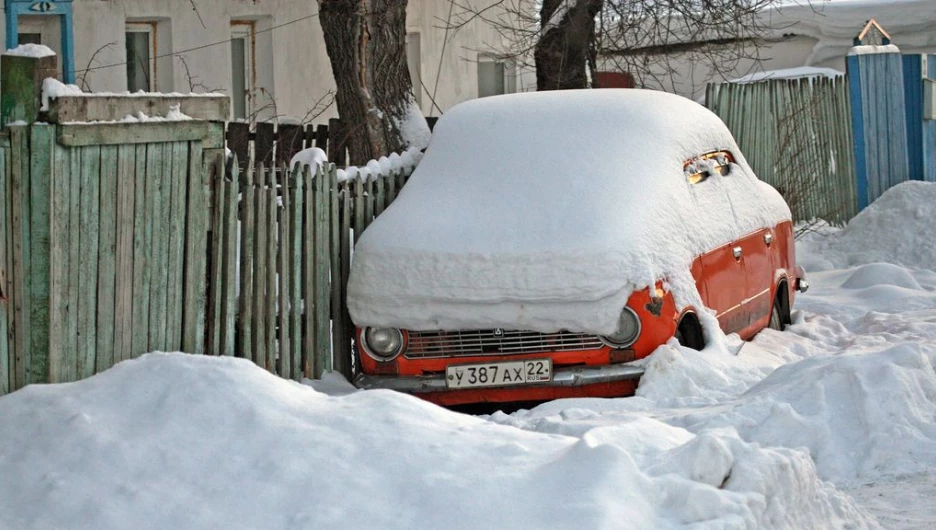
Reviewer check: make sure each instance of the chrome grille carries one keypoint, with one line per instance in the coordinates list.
(480, 342)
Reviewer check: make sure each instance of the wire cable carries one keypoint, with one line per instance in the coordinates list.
(202, 47)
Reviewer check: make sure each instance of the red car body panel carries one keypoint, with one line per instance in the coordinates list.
(740, 290)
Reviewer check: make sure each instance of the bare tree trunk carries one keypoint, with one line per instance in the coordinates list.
(566, 51)
(366, 44)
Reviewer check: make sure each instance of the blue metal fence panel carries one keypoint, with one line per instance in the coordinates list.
(858, 131)
(929, 127)
(913, 94)
(884, 120)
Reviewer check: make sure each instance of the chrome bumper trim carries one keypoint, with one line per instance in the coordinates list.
(575, 376)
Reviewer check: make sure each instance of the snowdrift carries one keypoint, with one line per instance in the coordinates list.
(179, 441)
(896, 228)
(544, 211)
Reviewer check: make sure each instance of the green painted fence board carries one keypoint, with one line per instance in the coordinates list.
(308, 274)
(140, 307)
(178, 206)
(107, 234)
(228, 284)
(269, 332)
(344, 341)
(159, 286)
(62, 361)
(19, 223)
(88, 259)
(248, 225)
(217, 264)
(340, 358)
(123, 286)
(6, 379)
(296, 253)
(74, 269)
(285, 280)
(41, 145)
(259, 289)
(196, 246)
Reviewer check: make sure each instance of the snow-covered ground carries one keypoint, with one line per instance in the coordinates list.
(830, 424)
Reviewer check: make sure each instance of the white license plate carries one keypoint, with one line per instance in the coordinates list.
(526, 372)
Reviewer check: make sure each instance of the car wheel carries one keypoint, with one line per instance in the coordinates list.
(780, 313)
(689, 332)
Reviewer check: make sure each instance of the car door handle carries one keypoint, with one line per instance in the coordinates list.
(768, 239)
(737, 252)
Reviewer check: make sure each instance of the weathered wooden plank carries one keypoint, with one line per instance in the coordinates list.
(358, 209)
(391, 188)
(88, 234)
(177, 210)
(139, 340)
(379, 195)
(272, 309)
(201, 164)
(308, 274)
(296, 252)
(107, 234)
(123, 288)
(229, 280)
(368, 203)
(42, 140)
(61, 359)
(344, 341)
(285, 279)
(159, 283)
(323, 295)
(215, 293)
(248, 227)
(6, 372)
(260, 273)
(19, 224)
(74, 252)
(101, 107)
(340, 358)
(211, 134)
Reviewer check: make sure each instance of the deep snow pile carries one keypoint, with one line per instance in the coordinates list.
(179, 441)
(896, 228)
(580, 198)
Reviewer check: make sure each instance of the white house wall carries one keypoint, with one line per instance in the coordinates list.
(292, 65)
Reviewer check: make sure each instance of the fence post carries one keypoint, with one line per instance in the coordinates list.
(21, 86)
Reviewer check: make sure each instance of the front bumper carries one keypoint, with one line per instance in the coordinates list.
(562, 377)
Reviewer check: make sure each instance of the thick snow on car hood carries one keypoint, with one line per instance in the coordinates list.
(544, 211)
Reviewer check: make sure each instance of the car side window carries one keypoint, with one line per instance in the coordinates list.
(699, 169)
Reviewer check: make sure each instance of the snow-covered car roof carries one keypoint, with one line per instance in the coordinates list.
(545, 210)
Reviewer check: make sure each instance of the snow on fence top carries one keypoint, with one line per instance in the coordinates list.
(36, 51)
(545, 210)
(384, 166)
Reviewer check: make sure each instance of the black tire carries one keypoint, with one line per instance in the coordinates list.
(689, 332)
(780, 312)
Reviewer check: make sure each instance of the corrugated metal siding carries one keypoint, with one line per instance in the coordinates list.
(884, 119)
(796, 135)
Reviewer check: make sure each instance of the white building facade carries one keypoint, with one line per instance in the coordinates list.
(269, 55)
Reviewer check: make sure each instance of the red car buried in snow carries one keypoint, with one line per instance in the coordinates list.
(549, 240)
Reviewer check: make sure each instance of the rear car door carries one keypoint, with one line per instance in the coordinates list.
(723, 280)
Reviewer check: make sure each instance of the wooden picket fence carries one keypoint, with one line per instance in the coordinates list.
(280, 259)
(103, 231)
(121, 239)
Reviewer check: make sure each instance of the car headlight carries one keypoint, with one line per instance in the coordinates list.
(628, 330)
(382, 344)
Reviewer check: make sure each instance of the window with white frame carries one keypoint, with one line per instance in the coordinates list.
(242, 77)
(141, 41)
(495, 76)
